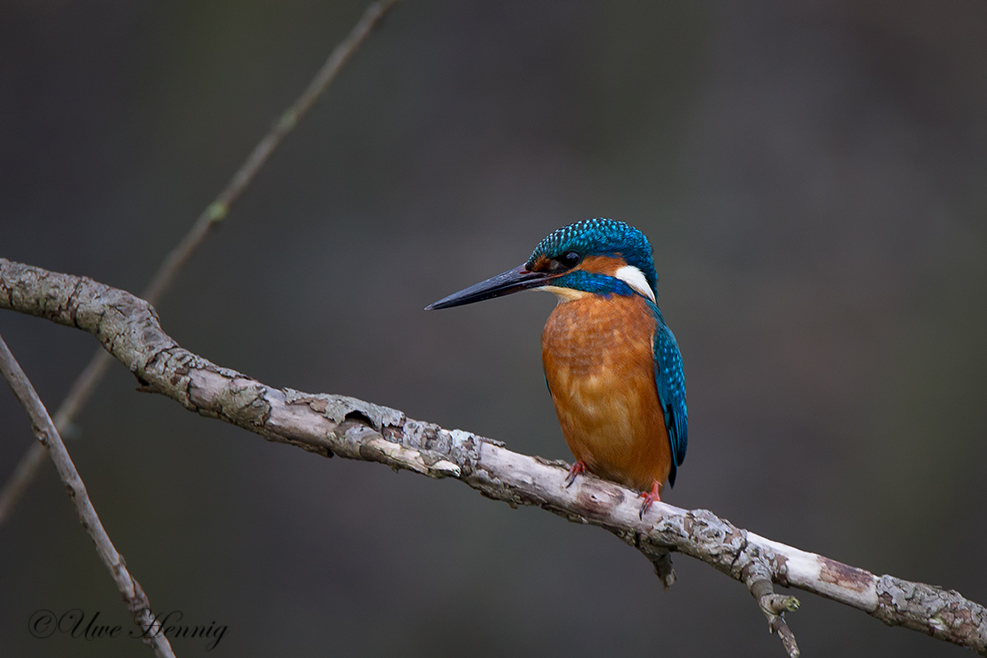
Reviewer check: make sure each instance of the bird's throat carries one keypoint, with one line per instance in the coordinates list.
(564, 294)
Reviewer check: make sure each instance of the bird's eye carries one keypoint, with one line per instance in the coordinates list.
(570, 259)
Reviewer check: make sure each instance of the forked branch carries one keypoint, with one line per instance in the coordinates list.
(128, 328)
(84, 385)
(44, 430)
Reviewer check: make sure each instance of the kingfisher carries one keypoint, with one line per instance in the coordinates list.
(612, 365)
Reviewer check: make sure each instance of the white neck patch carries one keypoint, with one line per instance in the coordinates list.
(635, 279)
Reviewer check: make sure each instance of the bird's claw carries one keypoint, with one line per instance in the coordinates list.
(578, 467)
(650, 497)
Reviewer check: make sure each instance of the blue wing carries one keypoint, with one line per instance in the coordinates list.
(670, 379)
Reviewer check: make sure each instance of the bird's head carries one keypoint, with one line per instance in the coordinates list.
(592, 256)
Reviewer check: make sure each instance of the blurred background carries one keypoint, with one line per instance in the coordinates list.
(811, 175)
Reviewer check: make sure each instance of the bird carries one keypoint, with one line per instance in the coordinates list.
(612, 365)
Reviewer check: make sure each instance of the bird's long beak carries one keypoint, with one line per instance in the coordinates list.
(503, 284)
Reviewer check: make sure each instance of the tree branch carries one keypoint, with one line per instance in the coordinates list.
(128, 328)
(84, 385)
(44, 429)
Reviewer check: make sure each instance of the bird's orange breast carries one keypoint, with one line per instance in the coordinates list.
(599, 363)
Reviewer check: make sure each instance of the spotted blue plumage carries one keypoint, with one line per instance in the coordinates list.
(560, 261)
(600, 237)
(608, 237)
(670, 378)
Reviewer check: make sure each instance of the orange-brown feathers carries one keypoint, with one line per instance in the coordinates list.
(602, 264)
(599, 363)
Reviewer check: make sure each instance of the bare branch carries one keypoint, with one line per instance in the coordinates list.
(774, 606)
(44, 429)
(215, 212)
(333, 424)
(24, 474)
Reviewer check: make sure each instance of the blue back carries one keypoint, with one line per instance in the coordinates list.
(670, 378)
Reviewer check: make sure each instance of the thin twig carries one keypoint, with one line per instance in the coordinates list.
(218, 209)
(29, 464)
(335, 424)
(44, 429)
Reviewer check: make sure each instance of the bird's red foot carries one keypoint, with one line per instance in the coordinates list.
(650, 497)
(577, 468)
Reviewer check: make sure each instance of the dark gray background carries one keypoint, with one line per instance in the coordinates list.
(811, 175)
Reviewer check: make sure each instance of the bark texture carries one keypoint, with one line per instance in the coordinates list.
(44, 429)
(128, 328)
